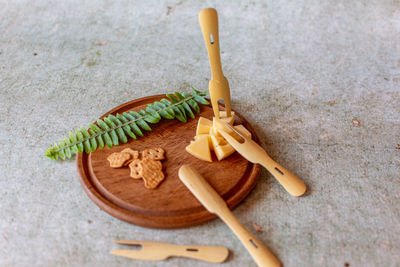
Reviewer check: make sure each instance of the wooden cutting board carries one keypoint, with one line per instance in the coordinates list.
(171, 205)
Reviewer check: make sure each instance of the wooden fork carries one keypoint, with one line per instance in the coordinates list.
(218, 85)
(254, 153)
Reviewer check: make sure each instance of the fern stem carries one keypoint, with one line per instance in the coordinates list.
(121, 125)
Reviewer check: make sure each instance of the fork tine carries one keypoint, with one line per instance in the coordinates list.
(230, 139)
(227, 102)
(235, 131)
(227, 125)
(249, 149)
(214, 104)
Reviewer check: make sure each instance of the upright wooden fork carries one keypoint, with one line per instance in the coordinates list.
(218, 85)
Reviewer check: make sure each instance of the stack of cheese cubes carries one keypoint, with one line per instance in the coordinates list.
(208, 138)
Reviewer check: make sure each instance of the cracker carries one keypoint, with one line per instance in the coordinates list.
(153, 179)
(134, 155)
(136, 169)
(151, 173)
(153, 153)
(151, 165)
(117, 160)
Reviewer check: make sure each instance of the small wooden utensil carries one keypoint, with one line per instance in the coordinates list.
(156, 251)
(215, 204)
(254, 153)
(218, 85)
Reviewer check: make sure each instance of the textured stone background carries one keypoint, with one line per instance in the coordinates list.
(300, 71)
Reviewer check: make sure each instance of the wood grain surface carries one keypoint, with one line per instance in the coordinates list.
(171, 205)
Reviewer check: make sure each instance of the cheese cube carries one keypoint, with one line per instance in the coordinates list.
(200, 148)
(217, 141)
(220, 138)
(223, 151)
(203, 126)
(209, 140)
(199, 136)
(214, 131)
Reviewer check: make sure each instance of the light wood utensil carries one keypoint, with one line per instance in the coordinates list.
(156, 251)
(254, 153)
(218, 85)
(215, 204)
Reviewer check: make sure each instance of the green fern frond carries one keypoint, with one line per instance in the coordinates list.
(115, 129)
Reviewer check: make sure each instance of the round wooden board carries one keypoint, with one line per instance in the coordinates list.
(171, 204)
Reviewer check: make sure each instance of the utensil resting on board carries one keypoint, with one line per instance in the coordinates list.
(218, 85)
(156, 251)
(254, 153)
(214, 203)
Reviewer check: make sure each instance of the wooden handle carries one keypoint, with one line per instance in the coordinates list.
(261, 255)
(292, 184)
(215, 204)
(208, 19)
(201, 189)
(214, 254)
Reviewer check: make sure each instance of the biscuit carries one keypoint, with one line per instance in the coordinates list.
(117, 160)
(153, 179)
(151, 173)
(153, 153)
(136, 169)
(134, 155)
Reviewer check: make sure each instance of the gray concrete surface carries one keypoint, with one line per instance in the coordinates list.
(300, 71)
